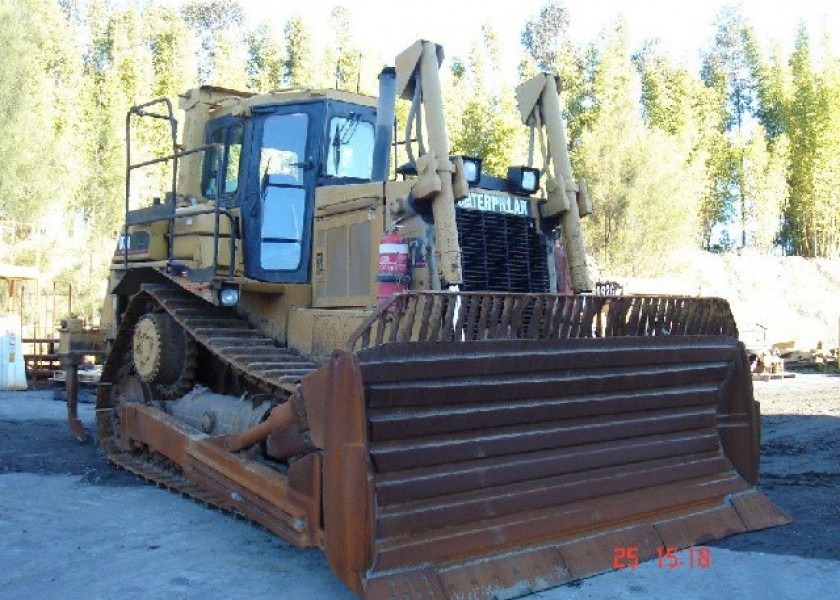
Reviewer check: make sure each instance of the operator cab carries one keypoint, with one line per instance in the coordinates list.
(271, 164)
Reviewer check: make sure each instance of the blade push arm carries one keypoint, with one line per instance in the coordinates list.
(539, 105)
(439, 181)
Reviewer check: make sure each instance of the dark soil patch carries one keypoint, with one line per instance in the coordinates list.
(45, 447)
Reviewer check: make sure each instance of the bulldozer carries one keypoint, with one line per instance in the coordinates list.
(382, 366)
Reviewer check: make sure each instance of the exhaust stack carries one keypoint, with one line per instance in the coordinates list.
(384, 124)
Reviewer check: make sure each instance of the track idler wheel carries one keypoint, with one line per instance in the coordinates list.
(164, 355)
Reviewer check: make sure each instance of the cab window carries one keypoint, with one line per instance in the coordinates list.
(350, 147)
(230, 138)
(282, 166)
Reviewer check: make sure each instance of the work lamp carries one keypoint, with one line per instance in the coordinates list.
(523, 180)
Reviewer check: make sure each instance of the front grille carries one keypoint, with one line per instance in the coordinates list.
(500, 253)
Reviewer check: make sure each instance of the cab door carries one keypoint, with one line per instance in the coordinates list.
(279, 208)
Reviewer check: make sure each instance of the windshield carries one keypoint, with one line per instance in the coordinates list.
(350, 147)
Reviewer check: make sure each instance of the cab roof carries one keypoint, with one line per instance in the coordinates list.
(226, 101)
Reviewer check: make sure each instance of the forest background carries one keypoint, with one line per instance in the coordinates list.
(740, 155)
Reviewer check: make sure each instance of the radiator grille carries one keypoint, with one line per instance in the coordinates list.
(501, 253)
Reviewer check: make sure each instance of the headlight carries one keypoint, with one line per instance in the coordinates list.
(472, 169)
(523, 180)
(229, 296)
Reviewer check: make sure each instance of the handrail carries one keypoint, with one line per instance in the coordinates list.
(173, 127)
(139, 110)
(234, 226)
(175, 156)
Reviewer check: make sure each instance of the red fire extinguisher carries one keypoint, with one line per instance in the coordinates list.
(393, 275)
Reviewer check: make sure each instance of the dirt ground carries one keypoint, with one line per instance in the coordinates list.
(773, 298)
(800, 466)
(73, 526)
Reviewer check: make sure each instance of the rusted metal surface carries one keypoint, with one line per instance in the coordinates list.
(471, 445)
(75, 343)
(501, 467)
(255, 490)
(337, 418)
(176, 453)
(468, 316)
(72, 383)
(279, 417)
(282, 439)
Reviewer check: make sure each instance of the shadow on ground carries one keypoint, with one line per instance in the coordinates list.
(800, 473)
(45, 447)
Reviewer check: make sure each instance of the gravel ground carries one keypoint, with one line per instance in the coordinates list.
(73, 526)
(800, 467)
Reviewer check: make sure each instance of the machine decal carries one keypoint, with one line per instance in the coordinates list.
(510, 205)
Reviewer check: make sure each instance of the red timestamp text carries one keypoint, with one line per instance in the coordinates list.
(668, 557)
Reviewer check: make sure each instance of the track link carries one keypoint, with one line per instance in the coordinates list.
(220, 331)
(233, 340)
(157, 471)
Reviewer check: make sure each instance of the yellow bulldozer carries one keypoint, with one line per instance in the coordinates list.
(383, 368)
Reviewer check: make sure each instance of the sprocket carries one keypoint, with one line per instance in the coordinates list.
(163, 355)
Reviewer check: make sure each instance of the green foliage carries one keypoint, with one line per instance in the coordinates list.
(645, 183)
(172, 58)
(37, 143)
(41, 137)
(716, 207)
(773, 90)
(679, 104)
(665, 90)
(546, 37)
(342, 58)
(299, 55)
(212, 15)
(813, 126)
(489, 131)
(727, 63)
(483, 119)
(265, 66)
(803, 132)
(764, 180)
(744, 152)
(746, 171)
(214, 22)
(728, 77)
(546, 41)
(827, 163)
(228, 57)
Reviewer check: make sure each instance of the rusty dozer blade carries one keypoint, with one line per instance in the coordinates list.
(464, 460)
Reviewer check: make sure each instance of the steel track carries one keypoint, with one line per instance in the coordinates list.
(229, 338)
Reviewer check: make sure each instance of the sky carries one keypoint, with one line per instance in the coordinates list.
(385, 27)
